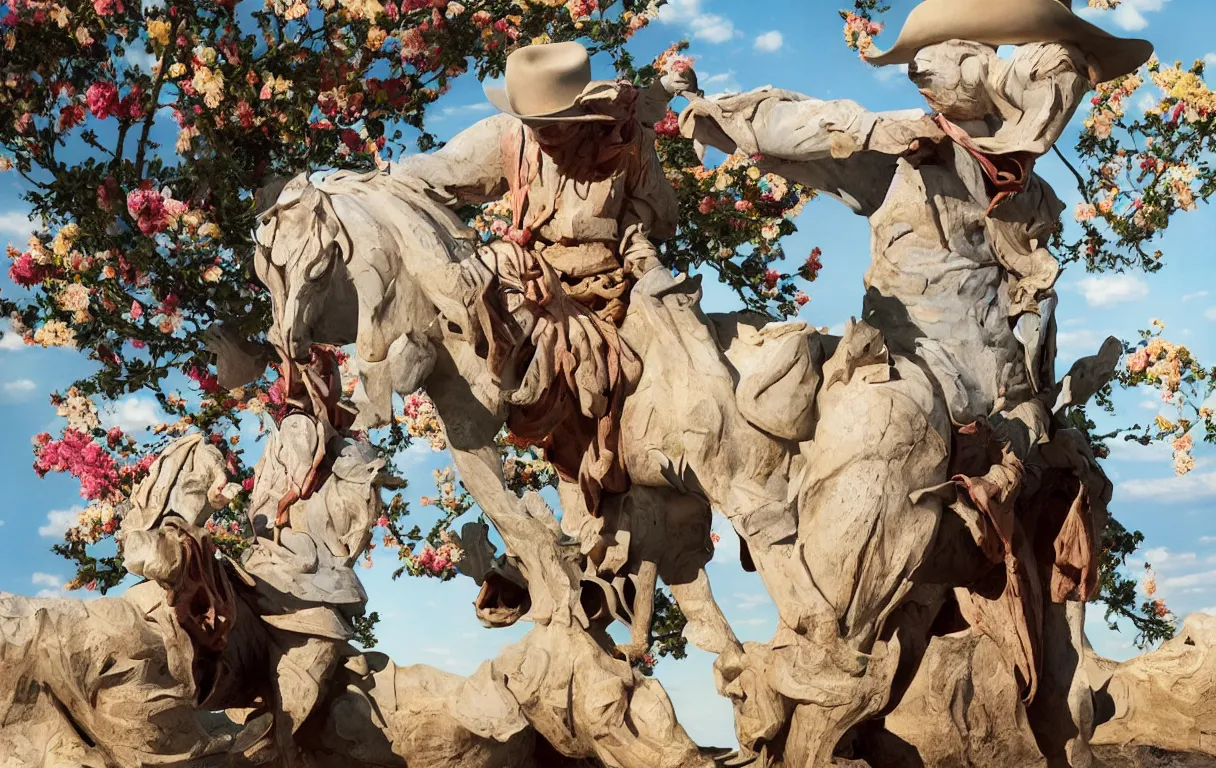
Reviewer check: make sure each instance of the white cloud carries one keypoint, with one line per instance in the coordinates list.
(1163, 559)
(1210, 313)
(1207, 539)
(719, 83)
(746, 602)
(1197, 294)
(1128, 16)
(18, 386)
(475, 107)
(770, 42)
(40, 579)
(1191, 487)
(132, 414)
(1204, 580)
(10, 342)
(1083, 341)
(710, 27)
(1133, 452)
(59, 520)
(755, 621)
(17, 225)
(890, 74)
(1108, 290)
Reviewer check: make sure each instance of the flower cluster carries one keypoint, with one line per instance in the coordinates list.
(436, 562)
(420, 419)
(859, 33)
(1183, 384)
(737, 215)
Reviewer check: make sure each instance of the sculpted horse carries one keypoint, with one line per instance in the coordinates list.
(376, 261)
(742, 444)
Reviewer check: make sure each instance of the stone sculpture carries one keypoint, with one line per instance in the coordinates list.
(910, 492)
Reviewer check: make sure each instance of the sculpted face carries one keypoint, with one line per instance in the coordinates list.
(953, 77)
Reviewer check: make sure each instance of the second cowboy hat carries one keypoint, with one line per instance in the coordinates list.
(544, 83)
(1014, 22)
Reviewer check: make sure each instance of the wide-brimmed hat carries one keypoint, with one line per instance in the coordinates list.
(1014, 22)
(544, 83)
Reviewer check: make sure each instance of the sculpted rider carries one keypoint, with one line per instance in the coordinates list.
(960, 285)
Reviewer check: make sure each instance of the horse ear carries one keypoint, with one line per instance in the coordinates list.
(311, 198)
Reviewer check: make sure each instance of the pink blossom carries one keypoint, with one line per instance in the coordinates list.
(113, 436)
(413, 44)
(206, 381)
(107, 7)
(131, 106)
(707, 205)
(679, 64)
(382, 521)
(138, 343)
(82, 457)
(102, 98)
(801, 299)
(247, 483)
(1138, 361)
(108, 193)
(147, 207)
(742, 205)
(24, 272)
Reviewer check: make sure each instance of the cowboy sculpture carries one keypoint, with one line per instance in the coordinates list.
(576, 161)
(961, 285)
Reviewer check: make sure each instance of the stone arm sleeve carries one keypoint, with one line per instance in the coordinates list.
(469, 168)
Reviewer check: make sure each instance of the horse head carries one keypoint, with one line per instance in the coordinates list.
(302, 254)
(370, 259)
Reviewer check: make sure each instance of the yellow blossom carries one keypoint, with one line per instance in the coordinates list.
(158, 30)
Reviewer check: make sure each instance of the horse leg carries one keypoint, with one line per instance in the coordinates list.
(470, 428)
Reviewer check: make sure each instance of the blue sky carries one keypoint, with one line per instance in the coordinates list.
(790, 44)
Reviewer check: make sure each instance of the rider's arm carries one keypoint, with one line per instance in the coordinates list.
(469, 167)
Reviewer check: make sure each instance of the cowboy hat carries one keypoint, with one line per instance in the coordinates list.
(1013, 22)
(544, 84)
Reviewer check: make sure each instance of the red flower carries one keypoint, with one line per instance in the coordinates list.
(811, 268)
(352, 140)
(771, 277)
(131, 107)
(102, 99)
(669, 125)
(24, 272)
(71, 116)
